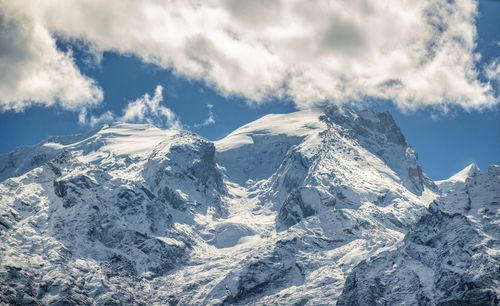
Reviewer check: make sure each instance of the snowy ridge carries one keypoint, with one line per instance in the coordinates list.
(128, 140)
(284, 210)
(254, 151)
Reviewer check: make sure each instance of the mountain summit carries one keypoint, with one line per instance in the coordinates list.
(308, 208)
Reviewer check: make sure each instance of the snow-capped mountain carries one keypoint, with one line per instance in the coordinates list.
(308, 208)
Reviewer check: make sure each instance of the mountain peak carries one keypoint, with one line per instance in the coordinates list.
(367, 123)
(458, 181)
(462, 175)
(469, 171)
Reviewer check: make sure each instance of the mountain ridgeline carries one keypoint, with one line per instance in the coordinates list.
(316, 207)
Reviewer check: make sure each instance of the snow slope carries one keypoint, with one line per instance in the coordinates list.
(281, 211)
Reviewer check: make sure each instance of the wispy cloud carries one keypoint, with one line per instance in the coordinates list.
(210, 119)
(149, 109)
(145, 109)
(101, 119)
(492, 71)
(415, 53)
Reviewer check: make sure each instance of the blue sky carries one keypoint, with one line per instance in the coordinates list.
(445, 142)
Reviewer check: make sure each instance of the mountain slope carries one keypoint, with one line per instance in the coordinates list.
(281, 211)
(450, 257)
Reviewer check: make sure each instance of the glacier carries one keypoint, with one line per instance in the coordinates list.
(316, 207)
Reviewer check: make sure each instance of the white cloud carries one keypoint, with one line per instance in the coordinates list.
(84, 118)
(149, 110)
(210, 119)
(416, 53)
(145, 109)
(492, 71)
(33, 71)
(105, 117)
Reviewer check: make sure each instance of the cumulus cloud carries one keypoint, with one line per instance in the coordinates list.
(33, 71)
(415, 53)
(145, 109)
(210, 119)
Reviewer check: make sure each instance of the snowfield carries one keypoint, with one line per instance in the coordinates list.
(309, 208)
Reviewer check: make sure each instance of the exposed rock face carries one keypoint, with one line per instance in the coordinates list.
(182, 171)
(308, 208)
